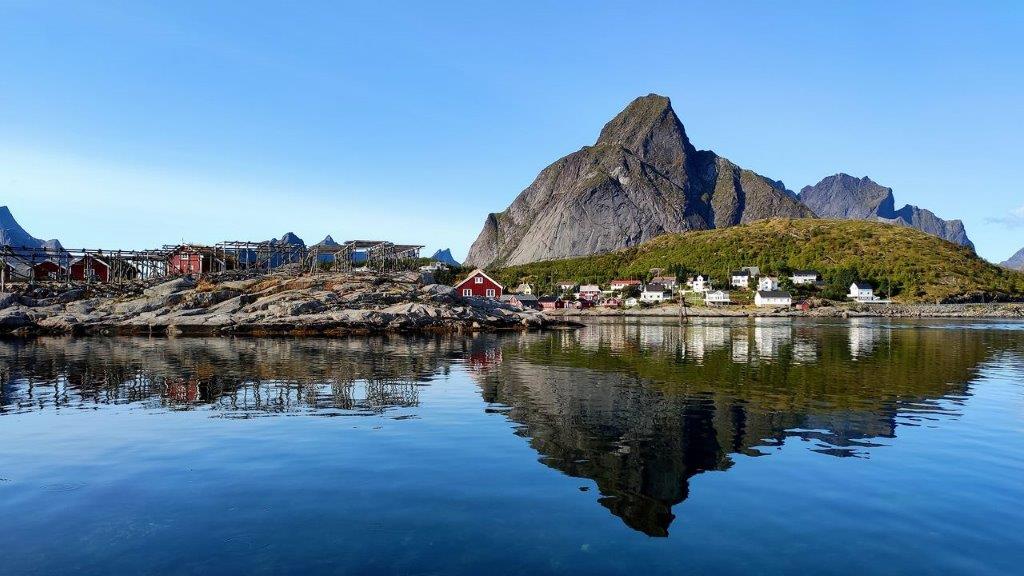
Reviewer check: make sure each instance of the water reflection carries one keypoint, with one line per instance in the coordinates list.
(639, 408)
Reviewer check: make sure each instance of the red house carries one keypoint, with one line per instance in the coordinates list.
(90, 268)
(551, 303)
(479, 284)
(193, 260)
(48, 270)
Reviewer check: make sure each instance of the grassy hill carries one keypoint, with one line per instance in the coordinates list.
(915, 266)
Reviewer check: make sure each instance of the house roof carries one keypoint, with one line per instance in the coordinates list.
(805, 273)
(863, 286)
(740, 273)
(774, 294)
(654, 287)
(543, 299)
(716, 293)
(482, 273)
(590, 288)
(625, 281)
(525, 297)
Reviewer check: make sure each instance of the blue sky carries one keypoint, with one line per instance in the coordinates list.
(131, 124)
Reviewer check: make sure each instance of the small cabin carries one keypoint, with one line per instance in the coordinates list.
(521, 300)
(90, 269)
(480, 285)
(188, 259)
(48, 270)
(550, 303)
(767, 284)
(669, 282)
(621, 284)
(524, 288)
(699, 283)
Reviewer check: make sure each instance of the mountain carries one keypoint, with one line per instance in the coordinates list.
(12, 234)
(327, 242)
(844, 196)
(1016, 262)
(917, 266)
(290, 239)
(642, 178)
(445, 257)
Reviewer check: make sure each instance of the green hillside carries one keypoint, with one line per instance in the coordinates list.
(914, 266)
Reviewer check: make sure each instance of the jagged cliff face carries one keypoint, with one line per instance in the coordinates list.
(1016, 262)
(847, 197)
(13, 235)
(642, 178)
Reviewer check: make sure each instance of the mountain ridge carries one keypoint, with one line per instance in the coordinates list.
(848, 197)
(1015, 262)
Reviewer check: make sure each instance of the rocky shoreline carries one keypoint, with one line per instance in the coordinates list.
(335, 304)
(1002, 310)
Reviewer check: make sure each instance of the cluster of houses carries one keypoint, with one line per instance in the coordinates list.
(628, 293)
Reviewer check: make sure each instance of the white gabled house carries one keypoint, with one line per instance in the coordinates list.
(774, 298)
(740, 279)
(631, 302)
(699, 283)
(716, 297)
(804, 277)
(767, 284)
(655, 293)
(862, 292)
(524, 288)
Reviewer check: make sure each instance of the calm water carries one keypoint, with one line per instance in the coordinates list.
(727, 447)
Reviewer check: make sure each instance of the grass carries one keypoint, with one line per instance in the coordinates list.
(909, 264)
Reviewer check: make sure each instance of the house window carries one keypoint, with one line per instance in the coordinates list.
(479, 279)
(467, 291)
(490, 292)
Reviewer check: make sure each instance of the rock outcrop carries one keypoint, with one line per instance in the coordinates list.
(1015, 262)
(642, 178)
(332, 304)
(847, 197)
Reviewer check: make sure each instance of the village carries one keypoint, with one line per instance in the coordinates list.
(746, 287)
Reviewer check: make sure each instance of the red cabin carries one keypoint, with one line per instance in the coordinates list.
(90, 268)
(192, 260)
(479, 284)
(551, 303)
(48, 270)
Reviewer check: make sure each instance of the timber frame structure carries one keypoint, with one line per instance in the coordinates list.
(22, 264)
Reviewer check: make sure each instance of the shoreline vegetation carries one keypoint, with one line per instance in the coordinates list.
(909, 265)
(851, 310)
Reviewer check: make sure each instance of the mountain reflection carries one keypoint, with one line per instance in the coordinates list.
(639, 408)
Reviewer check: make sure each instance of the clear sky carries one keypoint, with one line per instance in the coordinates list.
(134, 124)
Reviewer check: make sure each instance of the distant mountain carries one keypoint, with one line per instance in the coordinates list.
(12, 234)
(1016, 262)
(290, 239)
(642, 178)
(847, 197)
(445, 257)
(327, 242)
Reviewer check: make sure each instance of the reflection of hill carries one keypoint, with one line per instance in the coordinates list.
(235, 375)
(640, 408)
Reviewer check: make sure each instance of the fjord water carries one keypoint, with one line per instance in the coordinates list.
(771, 447)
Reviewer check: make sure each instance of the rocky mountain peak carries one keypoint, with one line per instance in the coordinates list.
(1015, 262)
(848, 197)
(649, 128)
(642, 178)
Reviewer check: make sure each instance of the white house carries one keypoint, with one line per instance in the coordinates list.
(767, 284)
(773, 298)
(804, 277)
(862, 292)
(566, 286)
(699, 283)
(631, 302)
(740, 279)
(524, 288)
(654, 293)
(589, 292)
(716, 297)
(753, 270)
